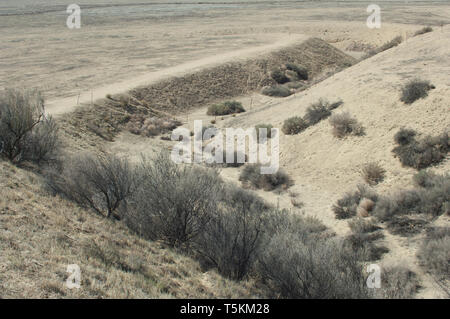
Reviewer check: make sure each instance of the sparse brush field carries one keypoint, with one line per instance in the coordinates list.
(89, 179)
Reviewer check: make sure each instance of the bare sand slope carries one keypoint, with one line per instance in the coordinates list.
(60, 106)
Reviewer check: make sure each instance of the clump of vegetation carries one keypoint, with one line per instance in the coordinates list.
(397, 283)
(373, 173)
(102, 183)
(227, 107)
(26, 132)
(232, 239)
(414, 90)
(279, 76)
(151, 126)
(388, 45)
(431, 198)
(268, 129)
(343, 124)
(422, 153)
(173, 203)
(364, 235)
(302, 72)
(434, 253)
(251, 176)
(347, 206)
(293, 266)
(277, 91)
(423, 30)
(318, 111)
(404, 136)
(294, 125)
(406, 226)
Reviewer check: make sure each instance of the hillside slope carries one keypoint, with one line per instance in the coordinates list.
(325, 168)
(41, 235)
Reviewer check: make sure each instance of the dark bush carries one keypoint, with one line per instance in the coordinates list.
(277, 90)
(279, 76)
(405, 136)
(422, 153)
(301, 71)
(294, 125)
(102, 183)
(316, 112)
(228, 107)
(26, 133)
(414, 90)
(251, 176)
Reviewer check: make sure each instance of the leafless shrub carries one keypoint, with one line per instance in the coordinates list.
(347, 206)
(151, 126)
(102, 183)
(318, 111)
(397, 283)
(373, 173)
(173, 203)
(294, 125)
(26, 133)
(251, 176)
(343, 124)
(233, 237)
(434, 253)
(293, 267)
(423, 30)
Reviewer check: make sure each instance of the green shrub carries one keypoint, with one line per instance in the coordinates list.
(414, 90)
(279, 76)
(251, 176)
(26, 133)
(228, 107)
(301, 71)
(294, 125)
(316, 112)
(277, 91)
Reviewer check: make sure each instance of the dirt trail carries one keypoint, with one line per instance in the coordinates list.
(64, 105)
